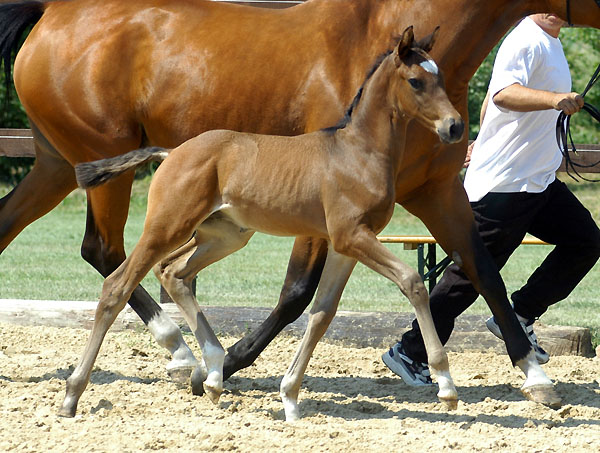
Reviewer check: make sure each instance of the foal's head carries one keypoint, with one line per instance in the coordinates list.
(417, 88)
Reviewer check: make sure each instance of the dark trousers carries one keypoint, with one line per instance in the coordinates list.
(555, 216)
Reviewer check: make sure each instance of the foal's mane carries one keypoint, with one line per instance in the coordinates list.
(342, 123)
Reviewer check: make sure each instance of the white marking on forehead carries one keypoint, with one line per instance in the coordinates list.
(429, 66)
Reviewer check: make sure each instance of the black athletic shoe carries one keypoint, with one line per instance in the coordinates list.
(541, 355)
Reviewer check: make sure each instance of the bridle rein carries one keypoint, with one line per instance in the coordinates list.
(563, 130)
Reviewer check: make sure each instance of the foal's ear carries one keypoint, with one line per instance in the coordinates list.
(427, 42)
(405, 44)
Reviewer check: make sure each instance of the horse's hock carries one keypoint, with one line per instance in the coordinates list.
(379, 329)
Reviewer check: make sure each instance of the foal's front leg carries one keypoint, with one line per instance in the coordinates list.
(455, 231)
(362, 245)
(333, 280)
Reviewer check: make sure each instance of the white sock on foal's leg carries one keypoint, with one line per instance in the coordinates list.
(213, 356)
(168, 335)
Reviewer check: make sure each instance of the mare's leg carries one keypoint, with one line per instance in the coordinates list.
(103, 248)
(335, 275)
(447, 214)
(303, 274)
(169, 223)
(216, 238)
(361, 244)
(50, 180)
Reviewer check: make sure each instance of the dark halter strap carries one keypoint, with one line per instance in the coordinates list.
(569, 11)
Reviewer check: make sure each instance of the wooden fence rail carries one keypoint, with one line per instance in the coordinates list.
(19, 143)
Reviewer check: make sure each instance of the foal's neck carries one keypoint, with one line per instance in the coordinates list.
(376, 126)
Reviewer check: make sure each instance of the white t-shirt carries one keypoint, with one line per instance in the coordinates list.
(517, 151)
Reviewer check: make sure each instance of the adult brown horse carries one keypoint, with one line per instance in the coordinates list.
(101, 78)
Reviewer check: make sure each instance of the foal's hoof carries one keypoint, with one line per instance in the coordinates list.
(68, 412)
(543, 394)
(198, 377)
(180, 375)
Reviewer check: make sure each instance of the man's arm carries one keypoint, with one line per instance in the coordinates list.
(484, 105)
(481, 115)
(522, 99)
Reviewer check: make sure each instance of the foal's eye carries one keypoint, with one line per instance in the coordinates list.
(416, 83)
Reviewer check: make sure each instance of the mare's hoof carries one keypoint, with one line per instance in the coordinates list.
(213, 393)
(180, 375)
(450, 404)
(543, 394)
(198, 377)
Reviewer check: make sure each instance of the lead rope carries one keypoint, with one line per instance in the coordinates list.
(563, 133)
(563, 123)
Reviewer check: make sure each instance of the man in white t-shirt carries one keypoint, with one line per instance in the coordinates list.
(512, 186)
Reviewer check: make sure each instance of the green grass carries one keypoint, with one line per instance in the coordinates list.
(44, 263)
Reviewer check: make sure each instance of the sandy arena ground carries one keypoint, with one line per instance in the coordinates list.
(349, 401)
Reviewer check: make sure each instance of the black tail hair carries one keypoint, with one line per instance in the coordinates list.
(92, 174)
(14, 20)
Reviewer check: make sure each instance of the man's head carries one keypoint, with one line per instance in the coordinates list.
(550, 23)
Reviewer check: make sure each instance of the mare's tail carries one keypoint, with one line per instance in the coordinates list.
(14, 20)
(92, 174)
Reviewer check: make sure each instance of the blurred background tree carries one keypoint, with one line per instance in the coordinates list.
(12, 169)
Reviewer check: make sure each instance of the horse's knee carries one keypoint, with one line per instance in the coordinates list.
(413, 287)
(113, 291)
(112, 301)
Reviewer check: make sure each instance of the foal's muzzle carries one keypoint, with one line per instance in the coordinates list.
(451, 130)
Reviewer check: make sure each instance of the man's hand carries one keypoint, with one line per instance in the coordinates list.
(568, 103)
(468, 156)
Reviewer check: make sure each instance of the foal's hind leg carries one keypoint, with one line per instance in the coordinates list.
(362, 245)
(174, 230)
(103, 248)
(116, 290)
(335, 275)
(216, 238)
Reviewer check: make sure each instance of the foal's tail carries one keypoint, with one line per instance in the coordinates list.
(92, 174)
(14, 20)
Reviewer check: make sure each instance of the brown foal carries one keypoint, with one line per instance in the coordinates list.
(336, 184)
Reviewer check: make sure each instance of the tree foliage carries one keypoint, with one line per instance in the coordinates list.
(12, 169)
